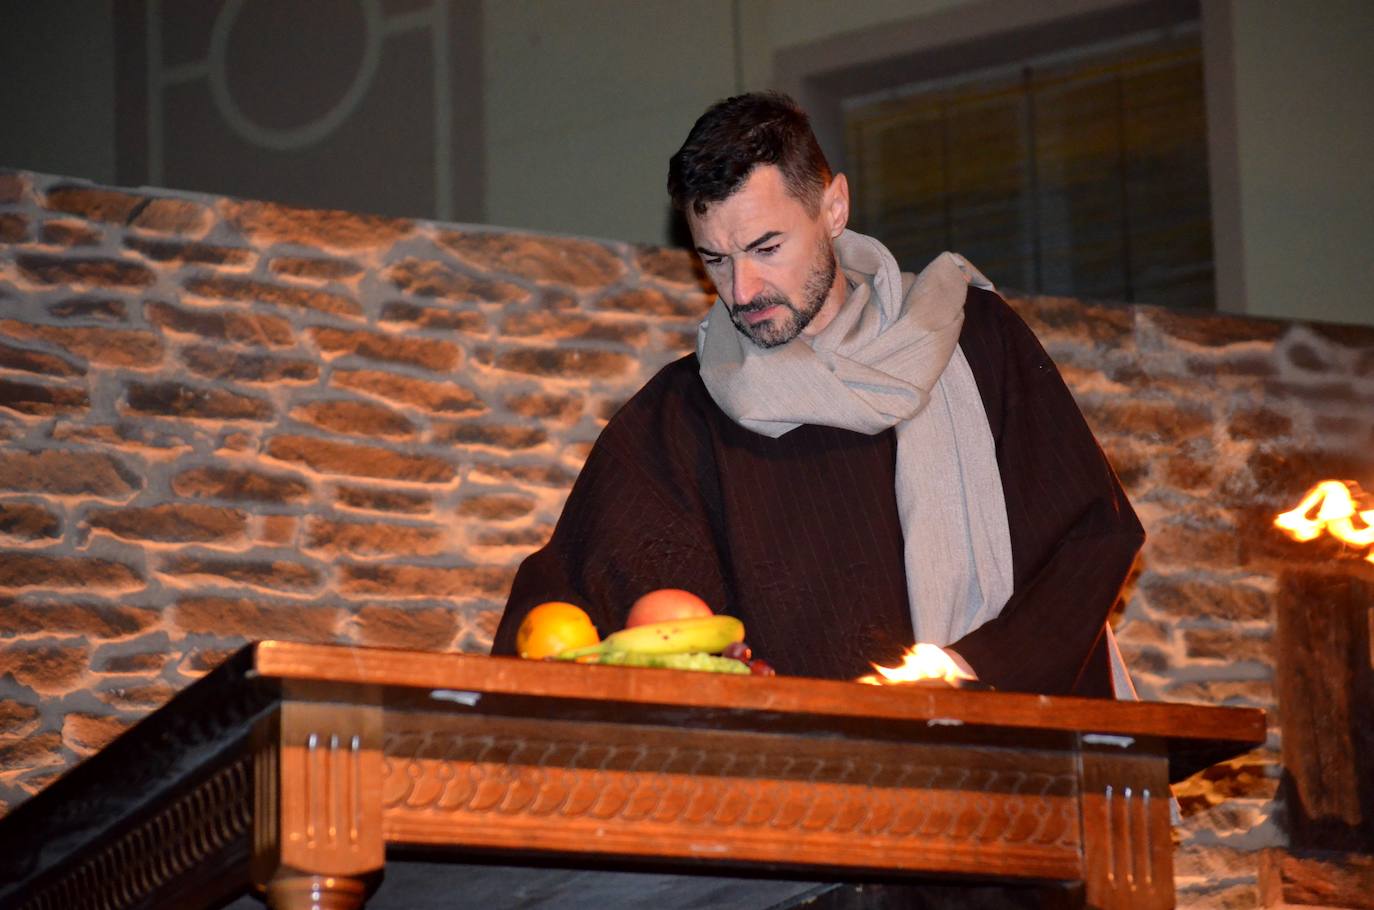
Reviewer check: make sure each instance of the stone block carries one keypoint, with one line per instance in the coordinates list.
(565, 363)
(472, 322)
(22, 569)
(546, 406)
(28, 521)
(14, 358)
(259, 572)
(508, 437)
(429, 278)
(63, 472)
(1190, 542)
(197, 663)
(1240, 693)
(1149, 420)
(278, 530)
(97, 344)
(36, 751)
(42, 399)
(86, 734)
(330, 457)
(1229, 645)
(49, 666)
(13, 187)
(1316, 394)
(537, 473)
(93, 203)
(14, 228)
(98, 309)
(245, 290)
(239, 485)
(177, 399)
(182, 252)
(576, 263)
(126, 694)
(174, 216)
(1259, 423)
(376, 499)
(651, 302)
(374, 538)
(436, 397)
(314, 268)
(419, 629)
(550, 324)
(523, 538)
(269, 223)
(496, 506)
(100, 271)
(87, 617)
(70, 233)
(673, 266)
(1184, 597)
(427, 353)
(173, 521)
(215, 362)
(356, 418)
(395, 581)
(1058, 319)
(257, 618)
(241, 327)
(17, 720)
(1212, 331)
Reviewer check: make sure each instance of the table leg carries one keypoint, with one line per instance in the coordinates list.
(317, 826)
(315, 892)
(1127, 848)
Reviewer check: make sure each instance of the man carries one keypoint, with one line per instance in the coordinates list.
(855, 459)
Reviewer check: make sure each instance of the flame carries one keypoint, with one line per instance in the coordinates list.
(1330, 507)
(921, 661)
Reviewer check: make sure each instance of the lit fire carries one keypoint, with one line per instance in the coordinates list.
(1330, 507)
(921, 661)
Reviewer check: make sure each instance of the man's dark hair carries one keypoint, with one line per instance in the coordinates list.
(735, 136)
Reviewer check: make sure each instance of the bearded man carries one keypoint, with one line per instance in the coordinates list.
(855, 458)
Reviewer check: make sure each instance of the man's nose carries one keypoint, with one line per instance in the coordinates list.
(746, 282)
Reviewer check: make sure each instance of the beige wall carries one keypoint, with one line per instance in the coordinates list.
(586, 101)
(1305, 129)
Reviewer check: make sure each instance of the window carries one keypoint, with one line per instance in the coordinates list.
(1081, 173)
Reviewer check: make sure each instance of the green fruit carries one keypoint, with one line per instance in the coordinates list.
(708, 663)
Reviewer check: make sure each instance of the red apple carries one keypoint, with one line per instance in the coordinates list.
(666, 604)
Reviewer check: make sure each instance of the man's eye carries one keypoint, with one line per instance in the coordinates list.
(712, 261)
(768, 250)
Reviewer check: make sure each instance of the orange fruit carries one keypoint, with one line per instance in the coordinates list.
(552, 628)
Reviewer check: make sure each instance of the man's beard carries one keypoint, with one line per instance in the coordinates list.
(771, 333)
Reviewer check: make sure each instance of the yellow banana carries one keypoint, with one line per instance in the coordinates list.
(702, 634)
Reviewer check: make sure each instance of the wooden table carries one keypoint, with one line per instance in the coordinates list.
(294, 769)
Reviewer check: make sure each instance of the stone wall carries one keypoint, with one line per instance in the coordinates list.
(225, 420)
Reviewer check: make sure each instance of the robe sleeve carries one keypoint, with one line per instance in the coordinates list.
(1074, 534)
(632, 523)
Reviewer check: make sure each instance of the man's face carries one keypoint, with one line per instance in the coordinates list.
(773, 263)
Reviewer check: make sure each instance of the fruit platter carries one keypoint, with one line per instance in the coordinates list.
(667, 629)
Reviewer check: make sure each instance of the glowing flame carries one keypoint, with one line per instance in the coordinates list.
(1330, 507)
(921, 661)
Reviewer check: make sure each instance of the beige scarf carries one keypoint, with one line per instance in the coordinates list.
(891, 358)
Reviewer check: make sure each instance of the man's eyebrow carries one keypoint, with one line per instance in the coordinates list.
(750, 246)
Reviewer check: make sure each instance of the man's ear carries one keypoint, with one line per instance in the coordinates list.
(835, 205)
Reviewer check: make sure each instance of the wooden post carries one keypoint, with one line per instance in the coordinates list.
(317, 833)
